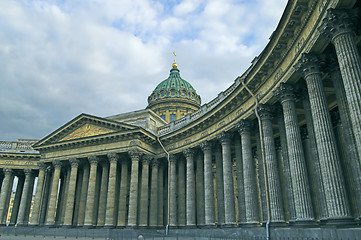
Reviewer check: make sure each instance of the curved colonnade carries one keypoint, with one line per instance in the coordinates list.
(281, 145)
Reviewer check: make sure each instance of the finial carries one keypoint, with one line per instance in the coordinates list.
(174, 65)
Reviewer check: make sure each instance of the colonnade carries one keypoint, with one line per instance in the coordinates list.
(272, 167)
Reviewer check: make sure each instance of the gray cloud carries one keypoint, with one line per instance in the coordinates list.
(62, 58)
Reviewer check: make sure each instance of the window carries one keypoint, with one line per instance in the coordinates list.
(172, 93)
(163, 117)
(172, 117)
(162, 94)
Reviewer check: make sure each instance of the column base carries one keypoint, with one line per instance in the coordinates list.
(339, 221)
(229, 225)
(89, 226)
(250, 224)
(279, 223)
(191, 226)
(305, 222)
(109, 226)
(211, 225)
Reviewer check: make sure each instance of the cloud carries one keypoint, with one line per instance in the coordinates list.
(63, 58)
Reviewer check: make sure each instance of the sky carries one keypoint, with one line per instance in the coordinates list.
(61, 58)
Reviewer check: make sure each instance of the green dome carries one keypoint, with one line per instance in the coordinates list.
(174, 81)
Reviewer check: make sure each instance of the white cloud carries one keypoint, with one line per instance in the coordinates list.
(62, 58)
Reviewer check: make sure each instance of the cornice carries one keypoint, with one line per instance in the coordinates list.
(274, 65)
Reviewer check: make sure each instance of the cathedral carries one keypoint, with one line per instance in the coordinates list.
(277, 151)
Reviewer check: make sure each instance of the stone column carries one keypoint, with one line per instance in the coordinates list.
(16, 202)
(133, 194)
(153, 206)
(314, 163)
(290, 208)
(83, 195)
(257, 156)
(219, 184)
(229, 208)
(124, 183)
(5, 194)
(50, 220)
(350, 144)
(208, 184)
(339, 27)
(68, 219)
(250, 189)
(190, 189)
(144, 194)
(38, 200)
(345, 163)
(173, 191)
(25, 201)
(240, 180)
(181, 192)
(103, 194)
(90, 201)
(160, 218)
(274, 187)
(200, 189)
(110, 216)
(300, 185)
(336, 198)
(46, 194)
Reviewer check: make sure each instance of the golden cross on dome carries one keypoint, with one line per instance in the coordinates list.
(174, 65)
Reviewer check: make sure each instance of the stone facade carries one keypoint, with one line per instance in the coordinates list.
(266, 150)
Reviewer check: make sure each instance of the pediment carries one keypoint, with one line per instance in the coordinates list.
(83, 127)
(87, 130)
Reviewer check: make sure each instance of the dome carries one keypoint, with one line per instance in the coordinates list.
(174, 81)
(174, 97)
(175, 86)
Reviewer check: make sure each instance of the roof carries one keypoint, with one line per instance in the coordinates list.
(174, 81)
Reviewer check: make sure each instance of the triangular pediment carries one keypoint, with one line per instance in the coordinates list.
(83, 127)
(87, 130)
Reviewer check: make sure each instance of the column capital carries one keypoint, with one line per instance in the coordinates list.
(224, 137)
(146, 159)
(265, 111)
(28, 172)
(308, 64)
(74, 162)
(206, 145)
(173, 158)
(284, 92)
(113, 157)
(134, 155)
(93, 160)
(244, 126)
(189, 152)
(338, 21)
(57, 164)
(8, 171)
(41, 165)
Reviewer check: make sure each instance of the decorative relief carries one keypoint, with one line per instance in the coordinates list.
(279, 74)
(87, 130)
(204, 133)
(221, 124)
(322, 5)
(299, 45)
(239, 112)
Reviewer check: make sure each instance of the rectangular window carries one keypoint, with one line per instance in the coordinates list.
(163, 117)
(172, 117)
